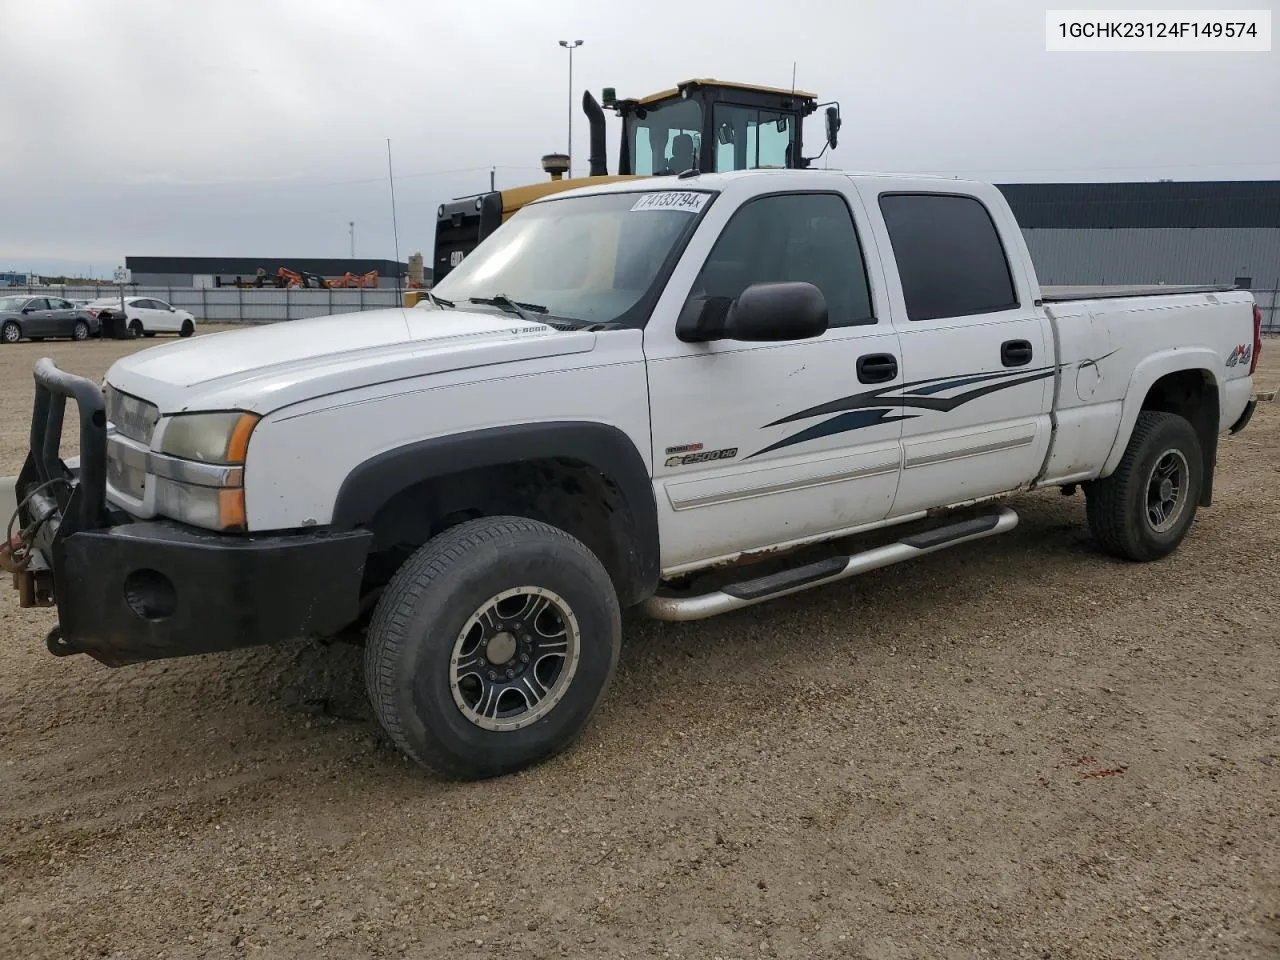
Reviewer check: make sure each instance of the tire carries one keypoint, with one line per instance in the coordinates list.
(80, 331)
(135, 329)
(188, 328)
(10, 332)
(430, 618)
(1123, 508)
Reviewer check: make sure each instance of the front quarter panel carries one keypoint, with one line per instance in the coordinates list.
(300, 456)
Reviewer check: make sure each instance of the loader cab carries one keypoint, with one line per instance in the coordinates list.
(712, 127)
(706, 126)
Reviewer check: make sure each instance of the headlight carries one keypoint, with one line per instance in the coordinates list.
(209, 437)
(205, 487)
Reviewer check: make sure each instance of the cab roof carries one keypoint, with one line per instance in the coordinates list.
(727, 84)
(718, 181)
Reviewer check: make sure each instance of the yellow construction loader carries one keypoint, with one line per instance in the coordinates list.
(702, 125)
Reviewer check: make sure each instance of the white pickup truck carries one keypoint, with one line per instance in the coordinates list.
(623, 388)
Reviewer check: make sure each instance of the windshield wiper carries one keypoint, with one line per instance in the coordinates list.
(439, 301)
(525, 311)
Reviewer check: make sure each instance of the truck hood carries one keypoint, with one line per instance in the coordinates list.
(263, 368)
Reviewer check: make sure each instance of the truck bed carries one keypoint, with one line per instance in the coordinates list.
(1063, 294)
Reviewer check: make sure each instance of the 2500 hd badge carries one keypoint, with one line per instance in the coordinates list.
(728, 453)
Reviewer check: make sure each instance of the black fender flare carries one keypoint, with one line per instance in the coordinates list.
(603, 447)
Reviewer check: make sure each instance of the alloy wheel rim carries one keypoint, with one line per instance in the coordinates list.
(1166, 492)
(515, 658)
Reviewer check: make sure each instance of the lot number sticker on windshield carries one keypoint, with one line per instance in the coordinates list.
(685, 200)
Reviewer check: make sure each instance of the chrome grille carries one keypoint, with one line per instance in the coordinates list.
(132, 417)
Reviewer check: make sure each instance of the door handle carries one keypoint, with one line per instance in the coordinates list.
(1015, 353)
(877, 368)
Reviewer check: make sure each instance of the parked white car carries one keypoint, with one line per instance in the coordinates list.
(146, 316)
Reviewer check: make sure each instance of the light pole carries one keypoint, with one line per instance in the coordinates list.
(351, 226)
(570, 45)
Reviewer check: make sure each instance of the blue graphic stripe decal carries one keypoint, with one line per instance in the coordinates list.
(875, 407)
(855, 420)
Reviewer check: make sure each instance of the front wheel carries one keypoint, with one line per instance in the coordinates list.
(492, 647)
(11, 332)
(188, 328)
(1144, 510)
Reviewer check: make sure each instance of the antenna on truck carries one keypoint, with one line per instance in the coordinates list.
(395, 232)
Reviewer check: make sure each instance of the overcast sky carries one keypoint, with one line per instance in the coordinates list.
(258, 127)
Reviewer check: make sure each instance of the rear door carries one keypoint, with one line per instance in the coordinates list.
(976, 355)
(61, 316)
(141, 310)
(759, 444)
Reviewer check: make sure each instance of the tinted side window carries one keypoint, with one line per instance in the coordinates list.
(808, 236)
(38, 303)
(949, 256)
(59, 304)
(142, 304)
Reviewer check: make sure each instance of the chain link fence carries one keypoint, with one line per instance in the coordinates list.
(236, 304)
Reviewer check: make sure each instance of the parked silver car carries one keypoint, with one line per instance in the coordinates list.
(35, 318)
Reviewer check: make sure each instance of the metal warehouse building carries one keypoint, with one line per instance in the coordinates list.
(1224, 231)
(208, 272)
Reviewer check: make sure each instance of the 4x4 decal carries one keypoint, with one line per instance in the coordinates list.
(1243, 353)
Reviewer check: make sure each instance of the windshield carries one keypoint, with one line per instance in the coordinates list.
(12, 304)
(590, 258)
(668, 139)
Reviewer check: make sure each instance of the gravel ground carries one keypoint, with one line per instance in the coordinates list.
(1017, 749)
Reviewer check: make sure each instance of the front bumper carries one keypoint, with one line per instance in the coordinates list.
(129, 590)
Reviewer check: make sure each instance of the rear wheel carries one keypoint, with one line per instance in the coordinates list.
(1144, 510)
(492, 647)
(10, 332)
(80, 331)
(188, 328)
(135, 329)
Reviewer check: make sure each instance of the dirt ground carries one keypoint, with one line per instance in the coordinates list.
(1017, 749)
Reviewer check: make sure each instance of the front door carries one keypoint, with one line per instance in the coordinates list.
(758, 445)
(39, 321)
(163, 317)
(978, 364)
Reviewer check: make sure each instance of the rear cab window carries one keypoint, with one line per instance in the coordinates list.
(950, 258)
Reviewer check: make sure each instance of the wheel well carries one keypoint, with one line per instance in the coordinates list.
(567, 493)
(1192, 395)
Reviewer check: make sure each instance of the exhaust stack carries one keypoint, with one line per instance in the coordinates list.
(599, 160)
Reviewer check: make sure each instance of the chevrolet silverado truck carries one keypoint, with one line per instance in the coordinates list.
(627, 391)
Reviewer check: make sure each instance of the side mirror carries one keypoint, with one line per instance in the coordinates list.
(28, 309)
(763, 312)
(833, 126)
